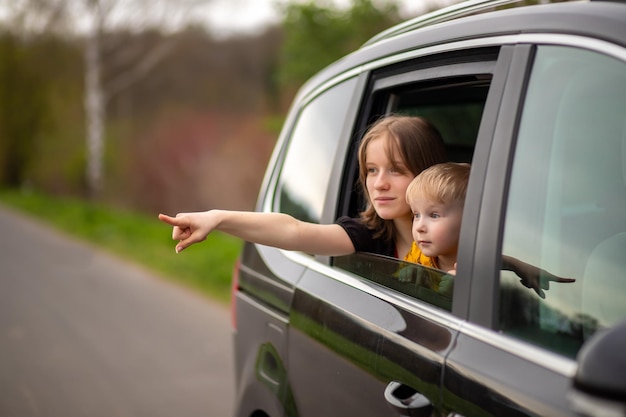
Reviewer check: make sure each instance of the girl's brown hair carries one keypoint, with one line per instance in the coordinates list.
(411, 139)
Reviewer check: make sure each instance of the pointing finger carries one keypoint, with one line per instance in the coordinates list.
(173, 221)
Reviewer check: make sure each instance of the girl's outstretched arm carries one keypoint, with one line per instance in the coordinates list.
(271, 229)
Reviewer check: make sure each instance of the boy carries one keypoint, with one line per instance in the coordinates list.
(436, 197)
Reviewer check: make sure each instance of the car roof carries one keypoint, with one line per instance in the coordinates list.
(604, 20)
(455, 11)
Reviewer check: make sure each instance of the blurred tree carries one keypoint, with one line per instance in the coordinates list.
(28, 18)
(22, 109)
(234, 74)
(173, 117)
(93, 20)
(99, 15)
(203, 110)
(316, 34)
(228, 82)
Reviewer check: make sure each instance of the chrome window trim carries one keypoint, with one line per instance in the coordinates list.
(532, 353)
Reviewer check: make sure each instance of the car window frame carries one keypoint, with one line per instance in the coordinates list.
(498, 149)
(393, 76)
(562, 146)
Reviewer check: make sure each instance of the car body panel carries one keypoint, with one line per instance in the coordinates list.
(483, 379)
(346, 345)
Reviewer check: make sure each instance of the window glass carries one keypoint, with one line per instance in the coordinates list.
(427, 284)
(307, 167)
(454, 107)
(566, 213)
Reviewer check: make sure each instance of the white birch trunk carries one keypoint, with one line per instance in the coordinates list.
(97, 94)
(95, 114)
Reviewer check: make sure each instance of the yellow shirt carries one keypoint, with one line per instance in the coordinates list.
(416, 256)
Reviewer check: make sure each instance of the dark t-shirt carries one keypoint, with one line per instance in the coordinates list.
(363, 238)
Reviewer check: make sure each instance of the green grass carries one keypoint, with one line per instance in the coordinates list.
(140, 238)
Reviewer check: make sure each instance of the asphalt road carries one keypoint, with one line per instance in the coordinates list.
(83, 334)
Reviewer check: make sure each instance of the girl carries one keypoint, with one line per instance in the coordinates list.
(393, 151)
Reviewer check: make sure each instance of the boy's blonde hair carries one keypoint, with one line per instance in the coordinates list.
(442, 183)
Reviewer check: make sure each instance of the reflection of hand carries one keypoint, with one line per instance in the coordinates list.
(406, 274)
(415, 275)
(532, 276)
(446, 285)
(539, 280)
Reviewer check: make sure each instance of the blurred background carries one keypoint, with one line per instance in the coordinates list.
(110, 112)
(163, 105)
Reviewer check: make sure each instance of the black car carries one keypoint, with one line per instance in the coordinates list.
(535, 98)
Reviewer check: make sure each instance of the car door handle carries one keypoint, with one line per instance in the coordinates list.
(406, 401)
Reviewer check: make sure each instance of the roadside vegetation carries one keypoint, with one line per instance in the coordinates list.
(165, 112)
(139, 238)
(131, 115)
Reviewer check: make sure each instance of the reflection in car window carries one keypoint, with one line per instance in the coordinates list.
(567, 205)
(455, 108)
(408, 278)
(313, 144)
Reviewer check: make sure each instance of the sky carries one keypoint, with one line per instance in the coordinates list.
(222, 17)
(229, 17)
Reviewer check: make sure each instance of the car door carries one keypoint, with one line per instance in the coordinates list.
(362, 340)
(554, 197)
(266, 275)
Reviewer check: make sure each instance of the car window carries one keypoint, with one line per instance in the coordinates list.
(307, 167)
(426, 284)
(454, 104)
(566, 210)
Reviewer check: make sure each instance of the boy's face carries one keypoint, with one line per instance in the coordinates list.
(436, 227)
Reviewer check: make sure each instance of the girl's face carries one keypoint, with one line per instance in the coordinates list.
(386, 181)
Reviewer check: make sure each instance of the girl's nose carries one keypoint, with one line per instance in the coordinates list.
(381, 181)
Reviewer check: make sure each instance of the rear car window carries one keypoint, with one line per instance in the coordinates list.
(307, 168)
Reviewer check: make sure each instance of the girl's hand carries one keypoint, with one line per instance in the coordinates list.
(188, 228)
